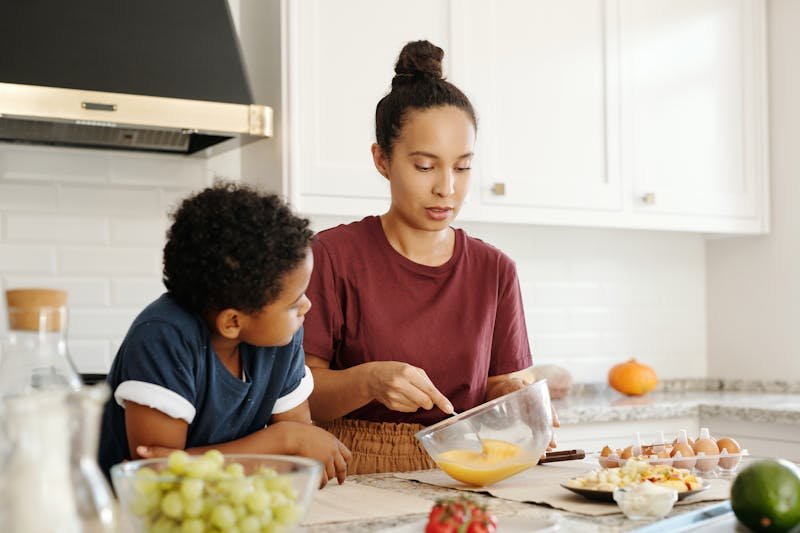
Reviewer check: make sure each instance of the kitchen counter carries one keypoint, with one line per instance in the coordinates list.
(568, 522)
(760, 404)
(610, 406)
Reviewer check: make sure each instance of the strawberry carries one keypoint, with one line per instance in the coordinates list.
(460, 515)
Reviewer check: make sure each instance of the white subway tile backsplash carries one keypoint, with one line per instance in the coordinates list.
(552, 319)
(109, 200)
(567, 344)
(90, 357)
(616, 294)
(48, 163)
(28, 196)
(599, 269)
(599, 319)
(543, 270)
(592, 298)
(171, 199)
(226, 165)
(82, 292)
(105, 261)
(543, 294)
(56, 229)
(101, 323)
(135, 291)
(115, 344)
(159, 170)
(25, 259)
(585, 369)
(150, 231)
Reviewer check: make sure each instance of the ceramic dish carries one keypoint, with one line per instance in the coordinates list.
(608, 495)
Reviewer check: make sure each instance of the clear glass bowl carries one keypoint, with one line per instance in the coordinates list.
(495, 440)
(153, 499)
(645, 500)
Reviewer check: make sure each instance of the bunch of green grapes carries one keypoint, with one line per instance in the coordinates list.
(202, 494)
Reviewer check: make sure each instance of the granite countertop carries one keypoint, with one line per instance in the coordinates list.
(754, 402)
(606, 405)
(567, 522)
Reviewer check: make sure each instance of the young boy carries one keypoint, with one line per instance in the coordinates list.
(217, 361)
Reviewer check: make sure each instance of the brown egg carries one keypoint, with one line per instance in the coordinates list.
(708, 447)
(659, 458)
(686, 459)
(608, 458)
(727, 444)
(627, 453)
(688, 439)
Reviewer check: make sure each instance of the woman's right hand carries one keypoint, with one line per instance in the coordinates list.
(403, 387)
(316, 443)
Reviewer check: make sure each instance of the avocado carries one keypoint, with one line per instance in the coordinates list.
(765, 496)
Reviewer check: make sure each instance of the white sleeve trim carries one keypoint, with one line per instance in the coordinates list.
(297, 396)
(160, 398)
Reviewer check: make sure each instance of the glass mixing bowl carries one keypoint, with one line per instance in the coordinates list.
(262, 492)
(494, 440)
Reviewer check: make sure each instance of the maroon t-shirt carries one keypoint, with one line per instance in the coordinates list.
(461, 321)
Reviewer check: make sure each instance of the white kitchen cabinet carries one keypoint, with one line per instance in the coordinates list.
(693, 112)
(761, 439)
(592, 436)
(604, 113)
(542, 76)
(341, 58)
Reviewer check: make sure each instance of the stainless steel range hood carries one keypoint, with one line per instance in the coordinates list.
(150, 75)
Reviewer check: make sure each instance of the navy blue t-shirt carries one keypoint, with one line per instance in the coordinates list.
(166, 362)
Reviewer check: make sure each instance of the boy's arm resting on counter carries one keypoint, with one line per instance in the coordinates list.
(301, 413)
(152, 433)
(146, 426)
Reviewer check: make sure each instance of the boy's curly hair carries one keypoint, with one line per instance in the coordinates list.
(230, 246)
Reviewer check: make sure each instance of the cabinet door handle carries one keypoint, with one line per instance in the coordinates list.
(499, 189)
(649, 198)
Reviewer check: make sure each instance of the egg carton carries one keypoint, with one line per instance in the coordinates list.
(701, 464)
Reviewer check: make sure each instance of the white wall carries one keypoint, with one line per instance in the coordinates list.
(596, 297)
(754, 283)
(93, 222)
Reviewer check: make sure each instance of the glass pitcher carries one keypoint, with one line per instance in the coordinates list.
(50, 480)
(35, 356)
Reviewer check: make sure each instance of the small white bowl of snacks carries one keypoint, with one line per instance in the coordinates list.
(645, 500)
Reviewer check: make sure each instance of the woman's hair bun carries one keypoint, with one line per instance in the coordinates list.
(419, 58)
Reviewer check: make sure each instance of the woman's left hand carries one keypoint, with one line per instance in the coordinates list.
(556, 424)
(500, 387)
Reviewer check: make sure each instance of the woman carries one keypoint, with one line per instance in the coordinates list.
(413, 320)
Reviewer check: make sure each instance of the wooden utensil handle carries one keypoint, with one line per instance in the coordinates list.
(562, 455)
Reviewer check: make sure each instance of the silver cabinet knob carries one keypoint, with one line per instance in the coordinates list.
(499, 189)
(649, 198)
